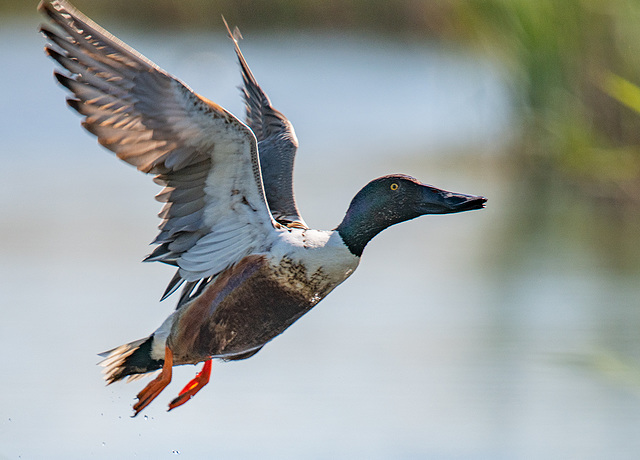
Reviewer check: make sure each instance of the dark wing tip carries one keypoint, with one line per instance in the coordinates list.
(64, 80)
(56, 56)
(47, 32)
(173, 286)
(75, 104)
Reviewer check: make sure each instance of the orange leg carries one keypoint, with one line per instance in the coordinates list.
(195, 385)
(154, 387)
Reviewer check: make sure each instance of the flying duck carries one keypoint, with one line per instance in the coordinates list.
(248, 264)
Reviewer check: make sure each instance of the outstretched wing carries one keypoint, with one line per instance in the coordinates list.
(277, 143)
(215, 210)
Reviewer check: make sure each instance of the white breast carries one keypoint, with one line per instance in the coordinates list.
(320, 252)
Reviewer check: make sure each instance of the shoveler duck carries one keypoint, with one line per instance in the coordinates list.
(248, 264)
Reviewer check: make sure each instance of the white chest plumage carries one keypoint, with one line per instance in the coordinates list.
(321, 255)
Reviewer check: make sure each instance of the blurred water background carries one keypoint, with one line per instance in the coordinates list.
(507, 333)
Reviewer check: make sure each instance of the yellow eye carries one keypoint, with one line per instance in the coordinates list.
(394, 186)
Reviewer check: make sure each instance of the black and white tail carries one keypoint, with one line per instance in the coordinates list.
(138, 358)
(133, 360)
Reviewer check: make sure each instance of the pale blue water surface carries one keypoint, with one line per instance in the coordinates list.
(509, 333)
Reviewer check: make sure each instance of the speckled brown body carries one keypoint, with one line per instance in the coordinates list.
(243, 309)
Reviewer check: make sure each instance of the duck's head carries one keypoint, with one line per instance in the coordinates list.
(392, 199)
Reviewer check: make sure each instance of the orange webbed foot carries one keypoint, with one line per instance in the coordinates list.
(155, 387)
(195, 385)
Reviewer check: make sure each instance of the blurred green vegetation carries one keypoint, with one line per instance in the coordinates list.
(575, 67)
(573, 63)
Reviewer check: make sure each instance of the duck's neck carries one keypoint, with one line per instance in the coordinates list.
(359, 226)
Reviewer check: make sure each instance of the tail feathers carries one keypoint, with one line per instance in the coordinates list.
(131, 359)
